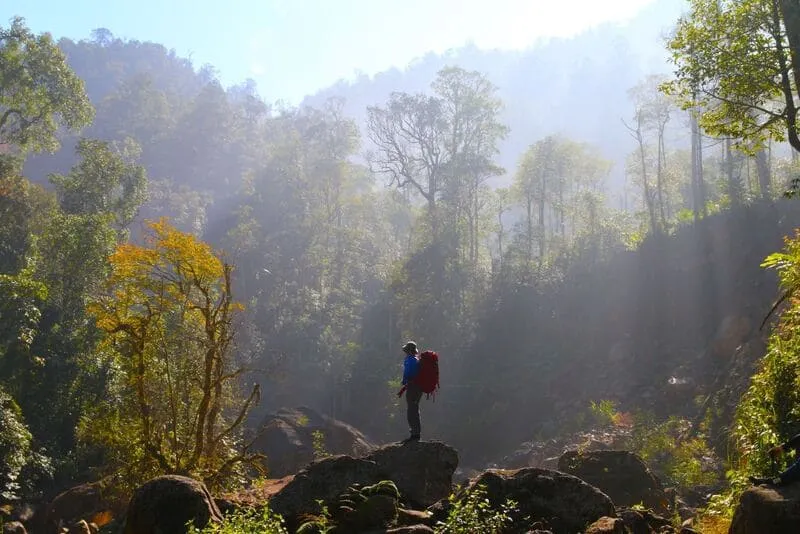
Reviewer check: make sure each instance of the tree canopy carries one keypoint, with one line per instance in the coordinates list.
(38, 90)
(737, 66)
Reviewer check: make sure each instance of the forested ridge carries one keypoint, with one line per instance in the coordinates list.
(583, 248)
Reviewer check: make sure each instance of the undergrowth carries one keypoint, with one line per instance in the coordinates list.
(472, 512)
(671, 448)
(245, 521)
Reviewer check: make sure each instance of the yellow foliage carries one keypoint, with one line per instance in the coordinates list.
(167, 314)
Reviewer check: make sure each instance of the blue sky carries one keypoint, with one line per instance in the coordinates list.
(294, 47)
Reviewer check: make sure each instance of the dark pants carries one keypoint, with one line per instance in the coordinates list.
(413, 396)
(792, 473)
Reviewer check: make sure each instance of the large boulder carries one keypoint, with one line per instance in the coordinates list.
(621, 475)
(167, 504)
(767, 510)
(324, 480)
(288, 439)
(92, 502)
(423, 471)
(565, 502)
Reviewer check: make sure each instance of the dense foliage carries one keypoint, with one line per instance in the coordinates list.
(245, 521)
(768, 413)
(172, 406)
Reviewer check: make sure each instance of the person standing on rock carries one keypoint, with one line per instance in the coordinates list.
(792, 473)
(413, 391)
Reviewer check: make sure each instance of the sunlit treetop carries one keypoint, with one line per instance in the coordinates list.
(734, 67)
(39, 92)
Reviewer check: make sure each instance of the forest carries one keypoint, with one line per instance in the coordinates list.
(180, 260)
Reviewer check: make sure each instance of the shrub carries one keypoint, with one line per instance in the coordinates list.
(15, 444)
(246, 521)
(472, 512)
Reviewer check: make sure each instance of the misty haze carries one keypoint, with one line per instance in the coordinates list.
(423, 266)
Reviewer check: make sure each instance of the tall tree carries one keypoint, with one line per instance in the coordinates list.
(408, 135)
(736, 64)
(551, 183)
(652, 111)
(168, 314)
(38, 91)
(442, 144)
(105, 181)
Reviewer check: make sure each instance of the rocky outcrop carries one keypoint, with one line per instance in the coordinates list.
(423, 471)
(288, 437)
(167, 504)
(567, 503)
(621, 475)
(768, 510)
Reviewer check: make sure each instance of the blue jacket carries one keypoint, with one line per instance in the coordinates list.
(410, 368)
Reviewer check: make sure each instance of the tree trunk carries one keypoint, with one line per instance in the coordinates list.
(542, 236)
(762, 168)
(733, 184)
(660, 176)
(647, 197)
(695, 170)
(789, 11)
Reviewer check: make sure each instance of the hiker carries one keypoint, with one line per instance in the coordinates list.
(412, 389)
(792, 473)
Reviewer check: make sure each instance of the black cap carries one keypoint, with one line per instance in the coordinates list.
(410, 347)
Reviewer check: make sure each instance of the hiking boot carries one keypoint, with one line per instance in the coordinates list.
(409, 439)
(757, 481)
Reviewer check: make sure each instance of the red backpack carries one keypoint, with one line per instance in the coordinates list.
(428, 375)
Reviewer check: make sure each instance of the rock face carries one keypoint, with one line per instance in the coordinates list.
(732, 332)
(767, 510)
(288, 436)
(423, 471)
(567, 503)
(323, 480)
(167, 504)
(87, 501)
(621, 475)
